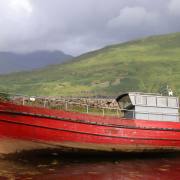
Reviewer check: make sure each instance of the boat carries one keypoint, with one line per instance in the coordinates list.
(148, 123)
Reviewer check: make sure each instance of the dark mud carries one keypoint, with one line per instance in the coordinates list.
(66, 166)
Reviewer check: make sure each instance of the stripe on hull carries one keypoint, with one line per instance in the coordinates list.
(93, 129)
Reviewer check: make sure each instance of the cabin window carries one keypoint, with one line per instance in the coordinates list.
(172, 102)
(144, 100)
(161, 101)
(151, 101)
(138, 99)
(141, 100)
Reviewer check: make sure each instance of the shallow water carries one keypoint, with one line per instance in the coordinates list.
(73, 167)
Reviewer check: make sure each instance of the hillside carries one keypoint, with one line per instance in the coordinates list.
(14, 62)
(140, 65)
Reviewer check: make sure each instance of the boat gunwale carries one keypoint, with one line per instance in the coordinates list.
(91, 122)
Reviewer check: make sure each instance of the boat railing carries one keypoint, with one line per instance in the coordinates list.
(115, 112)
(64, 103)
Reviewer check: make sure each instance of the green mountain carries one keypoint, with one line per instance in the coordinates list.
(140, 65)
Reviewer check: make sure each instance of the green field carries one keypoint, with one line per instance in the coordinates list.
(141, 65)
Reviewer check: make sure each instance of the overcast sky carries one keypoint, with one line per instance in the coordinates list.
(78, 26)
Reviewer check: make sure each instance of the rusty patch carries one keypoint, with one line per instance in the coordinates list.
(111, 131)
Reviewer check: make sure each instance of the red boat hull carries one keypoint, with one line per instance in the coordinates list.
(28, 128)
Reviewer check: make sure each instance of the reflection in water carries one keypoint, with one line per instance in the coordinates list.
(68, 167)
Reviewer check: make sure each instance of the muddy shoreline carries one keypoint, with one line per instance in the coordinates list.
(58, 165)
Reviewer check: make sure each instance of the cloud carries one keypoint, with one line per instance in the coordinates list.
(174, 7)
(82, 25)
(133, 22)
(133, 17)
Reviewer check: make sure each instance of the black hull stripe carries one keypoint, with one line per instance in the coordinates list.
(89, 122)
(78, 132)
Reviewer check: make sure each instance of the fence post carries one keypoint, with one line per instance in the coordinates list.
(87, 109)
(45, 103)
(66, 105)
(103, 111)
(117, 113)
(23, 101)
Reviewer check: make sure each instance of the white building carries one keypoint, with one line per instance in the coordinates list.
(147, 106)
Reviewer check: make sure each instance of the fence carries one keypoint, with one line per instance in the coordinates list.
(65, 103)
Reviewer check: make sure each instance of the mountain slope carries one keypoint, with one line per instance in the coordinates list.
(141, 65)
(13, 62)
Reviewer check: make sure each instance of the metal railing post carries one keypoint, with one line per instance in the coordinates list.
(162, 117)
(133, 114)
(87, 109)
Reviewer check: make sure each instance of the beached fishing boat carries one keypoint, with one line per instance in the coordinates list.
(148, 122)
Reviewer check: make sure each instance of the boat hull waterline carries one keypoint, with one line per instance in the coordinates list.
(31, 128)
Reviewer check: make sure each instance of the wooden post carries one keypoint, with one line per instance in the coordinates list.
(66, 105)
(23, 101)
(45, 103)
(117, 113)
(103, 111)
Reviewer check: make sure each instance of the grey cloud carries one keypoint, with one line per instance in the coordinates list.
(174, 7)
(133, 17)
(82, 25)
